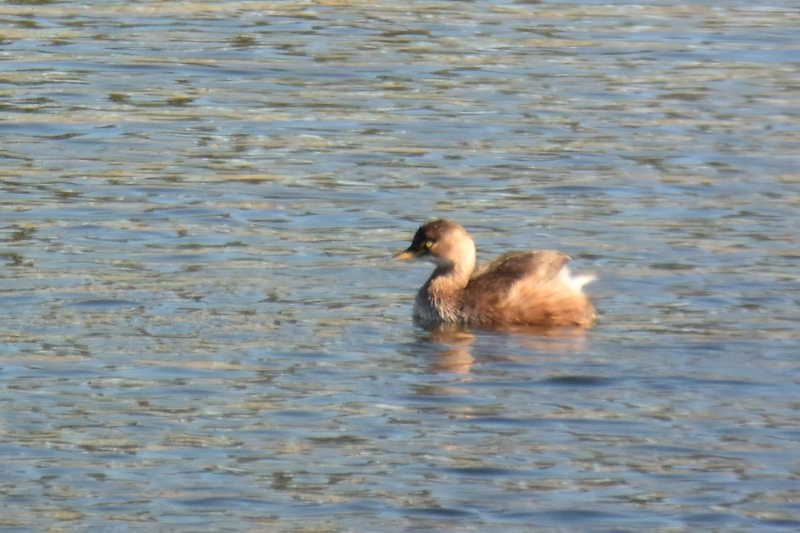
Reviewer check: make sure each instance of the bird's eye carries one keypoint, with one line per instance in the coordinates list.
(427, 245)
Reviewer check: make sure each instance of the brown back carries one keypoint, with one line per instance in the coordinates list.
(521, 288)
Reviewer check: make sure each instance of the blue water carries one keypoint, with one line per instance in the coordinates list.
(203, 329)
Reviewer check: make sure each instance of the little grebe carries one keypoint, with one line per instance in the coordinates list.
(516, 289)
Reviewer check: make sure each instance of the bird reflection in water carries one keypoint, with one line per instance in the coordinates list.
(456, 353)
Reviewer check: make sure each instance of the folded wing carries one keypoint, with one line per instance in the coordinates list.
(528, 288)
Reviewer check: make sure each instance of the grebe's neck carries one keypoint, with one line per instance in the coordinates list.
(438, 299)
(454, 266)
(451, 278)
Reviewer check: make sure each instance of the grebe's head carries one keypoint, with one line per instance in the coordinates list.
(442, 242)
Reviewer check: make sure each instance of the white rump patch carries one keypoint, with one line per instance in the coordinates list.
(575, 283)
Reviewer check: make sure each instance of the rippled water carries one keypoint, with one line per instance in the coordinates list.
(203, 330)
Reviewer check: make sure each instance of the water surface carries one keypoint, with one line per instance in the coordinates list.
(203, 329)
